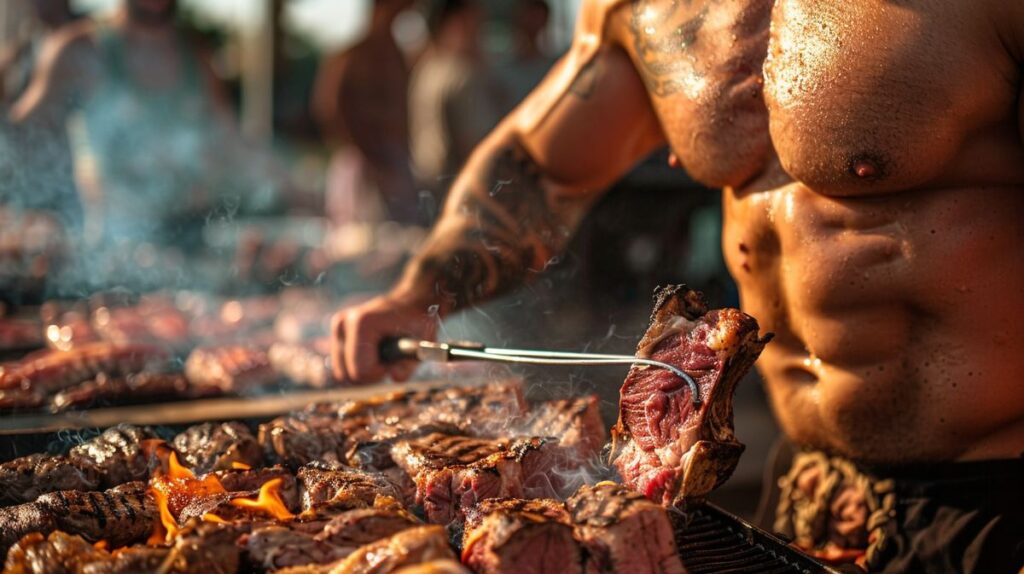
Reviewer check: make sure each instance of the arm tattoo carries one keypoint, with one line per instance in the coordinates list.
(662, 43)
(503, 231)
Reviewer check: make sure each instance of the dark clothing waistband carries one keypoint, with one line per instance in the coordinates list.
(948, 517)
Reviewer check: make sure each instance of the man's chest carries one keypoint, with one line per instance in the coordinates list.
(851, 97)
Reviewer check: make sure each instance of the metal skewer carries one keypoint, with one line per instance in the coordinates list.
(402, 349)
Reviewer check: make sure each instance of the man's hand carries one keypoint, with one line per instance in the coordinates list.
(358, 331)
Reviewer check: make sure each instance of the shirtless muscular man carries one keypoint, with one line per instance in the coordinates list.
(872, 166)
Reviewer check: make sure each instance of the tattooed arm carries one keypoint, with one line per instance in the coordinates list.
(520, 196)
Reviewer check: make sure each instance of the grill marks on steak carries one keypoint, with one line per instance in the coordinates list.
(335, 486)
(409, 547)
(623, 532)
(575, 422)
(301, 438)
(663, 446)
(51, 371)
(112, 458)
(120, 515)
(128, 389)
(210, 446)
(447, 484)
(512, 536)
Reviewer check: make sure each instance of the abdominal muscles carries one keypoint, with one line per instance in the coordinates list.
(898, 319)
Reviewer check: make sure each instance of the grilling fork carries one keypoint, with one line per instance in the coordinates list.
(400, 349)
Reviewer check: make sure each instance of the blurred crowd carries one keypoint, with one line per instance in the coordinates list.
(123, 158)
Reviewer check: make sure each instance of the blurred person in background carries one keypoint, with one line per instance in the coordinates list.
(148, 121)
(19, 57)
(530, 62)
(453, 102)
(360, 102)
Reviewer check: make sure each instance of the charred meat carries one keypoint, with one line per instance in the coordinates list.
(301, 438)
(623, 532)
(576, 422)
(23, 479)
(336, 486)
(229, 368)
(663, 445)
(52, 371)
(210, 446)
(118, 455)
(514, 535)
(131, 388)
(409, 547)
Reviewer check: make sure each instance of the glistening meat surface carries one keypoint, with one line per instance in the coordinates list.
(664, 446)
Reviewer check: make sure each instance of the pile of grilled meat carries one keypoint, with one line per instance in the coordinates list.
(99, 353)
(442, 480)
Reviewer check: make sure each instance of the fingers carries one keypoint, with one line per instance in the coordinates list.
(338, 347)
(362, 348)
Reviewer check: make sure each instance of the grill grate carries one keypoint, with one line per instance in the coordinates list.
(712, 541)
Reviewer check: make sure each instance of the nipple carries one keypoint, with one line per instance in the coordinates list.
(867, 167)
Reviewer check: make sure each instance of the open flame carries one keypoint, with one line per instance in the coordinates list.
(268, 500)
(240, 465)
(174, 484)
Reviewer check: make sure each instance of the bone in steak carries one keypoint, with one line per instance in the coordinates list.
(623, 532)
(52, 371)
(229, 368)
(216, 446)
(513, 535)
(133, 388)
(664, 446)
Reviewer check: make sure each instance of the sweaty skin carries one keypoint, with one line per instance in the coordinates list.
(872, 167)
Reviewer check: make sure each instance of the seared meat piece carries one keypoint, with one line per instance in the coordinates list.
(118, 455)
(207, 549)
(132, 388)
(336, 486)
(120, 515)
(112, 458)
(20, 334)
(623, 532)
(301, 438)
(211, 446)
(21, 520)
(57, 553)
(280, 546)
(510, 535)
(153, 320)
(447, 483)
(482, 410)
(407, 548)
(23, 479)
(269, 548)
(20, 399)
(443, 566)
(130, 560)
(51, 371)
(664, 446)
(575, 422)
(304, 363)
(241, 480)
(229, 368)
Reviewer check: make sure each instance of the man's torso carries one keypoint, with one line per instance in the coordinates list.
(873, 170)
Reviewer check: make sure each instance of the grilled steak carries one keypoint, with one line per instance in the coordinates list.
(131, 560)
(575, 422)
(237, 483)
(294, 544)
(207, 548)
(23, 479)
(443, 566)
(664, 446)
(21, 399)
(20, 334)
(120, 515)
(132, 388)
(301, 438)
(512, 536)
(304, 363)
(229, 368)
(336, 486)
(57, 553)
(623, 532)
(448, 479)
(117, 455)
(112, 458)
(51, 371)
(207, 447)
(407, 548)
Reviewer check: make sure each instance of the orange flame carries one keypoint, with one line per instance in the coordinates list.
(211, 517)
(268, 501)
(240, 465)
(101, 545)
(176, 482)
